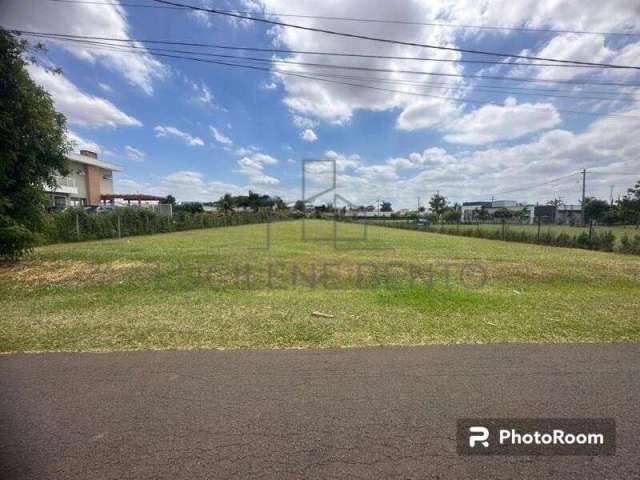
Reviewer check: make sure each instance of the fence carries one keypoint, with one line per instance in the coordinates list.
(74, 225)
(551, 235)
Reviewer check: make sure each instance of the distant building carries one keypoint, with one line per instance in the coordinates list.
(561, 214)
(88, 179)
(490, 211)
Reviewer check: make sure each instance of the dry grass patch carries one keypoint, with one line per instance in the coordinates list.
(67, 271)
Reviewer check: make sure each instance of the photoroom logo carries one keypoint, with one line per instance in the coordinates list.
(536, 436)
(478, 435)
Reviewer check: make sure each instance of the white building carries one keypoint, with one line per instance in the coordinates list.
(88, 179)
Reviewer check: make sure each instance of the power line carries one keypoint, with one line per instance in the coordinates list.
(357, 85)
(531, 187)
(491, 89)
(385, 40)
(371, 20)
(307, 52)
(69, 37)
(359, 68)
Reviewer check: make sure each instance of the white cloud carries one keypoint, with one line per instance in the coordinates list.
(79, 107)
(491, 123)
(427, 113)
(220, 137)
(134, 154)
(203, 94)
(166, 131)
(253, 167)
(80, 143)
(109, 20)
(304, 122)
(308, 135)
(268, 86)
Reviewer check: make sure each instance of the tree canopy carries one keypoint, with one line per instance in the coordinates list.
(33, 149)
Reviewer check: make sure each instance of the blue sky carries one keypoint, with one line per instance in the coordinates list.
(199, 130)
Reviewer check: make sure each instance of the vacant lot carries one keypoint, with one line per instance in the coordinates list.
(223, 288)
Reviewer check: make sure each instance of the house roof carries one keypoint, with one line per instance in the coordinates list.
(76, 157)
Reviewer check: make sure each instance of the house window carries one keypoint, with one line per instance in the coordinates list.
(107, 177)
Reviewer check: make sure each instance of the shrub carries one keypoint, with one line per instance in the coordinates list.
(15, 239)
(630, 244)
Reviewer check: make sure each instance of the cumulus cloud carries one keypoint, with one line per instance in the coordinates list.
(169, 131)
(140, 69)
(134, 154)
(220, 137)
(491, 123)
(79, 107)
(253, 167)
(308, 135)
(80, 143)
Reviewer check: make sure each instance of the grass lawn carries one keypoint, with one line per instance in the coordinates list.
(222, 288)
(618, 230)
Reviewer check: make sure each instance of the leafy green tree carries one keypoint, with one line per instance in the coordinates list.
(595, 209)
(33, 149)
(189, 207)
(386, 207)
(629, 206)
(168, 200)
(300, 206)
(437, 204)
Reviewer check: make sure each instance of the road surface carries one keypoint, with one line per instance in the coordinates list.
(373, 413)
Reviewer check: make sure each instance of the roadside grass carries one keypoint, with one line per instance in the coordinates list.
(222, 288)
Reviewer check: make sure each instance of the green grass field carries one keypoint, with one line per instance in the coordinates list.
(221, 288)
(618, 230)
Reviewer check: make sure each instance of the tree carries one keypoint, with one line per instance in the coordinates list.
(226, 203)
(437, 204)
(189, 207)
(33, 148)
(386, 207)
(556, 202)
(300, 206)
(168, 200)
(595, 209)
(629, 206)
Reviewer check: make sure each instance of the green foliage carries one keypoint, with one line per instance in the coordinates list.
(437, 204)
(386, 207)
(630, 244)
(602, 241)
(189, 207)
(78, 225)
(32, 149)
(15, 239)
(595, 209)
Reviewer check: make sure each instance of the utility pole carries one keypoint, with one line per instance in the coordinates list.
(418, 210)
(584, 191)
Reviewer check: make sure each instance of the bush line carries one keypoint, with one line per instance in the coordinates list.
(73, 225)
(601, 241)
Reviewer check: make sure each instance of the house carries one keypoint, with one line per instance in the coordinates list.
(88, 179)
(473, 211)
(561, 214)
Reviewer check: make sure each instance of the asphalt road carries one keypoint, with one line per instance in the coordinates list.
(351, 413)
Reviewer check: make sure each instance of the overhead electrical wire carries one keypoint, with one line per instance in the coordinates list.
(357, 85)
(370, 20)
(376, 79)
(362, 68)
(387, 40)
(531, 187)
(310, 52)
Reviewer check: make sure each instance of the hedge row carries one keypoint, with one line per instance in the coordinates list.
(74, 225)
(603, 241)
